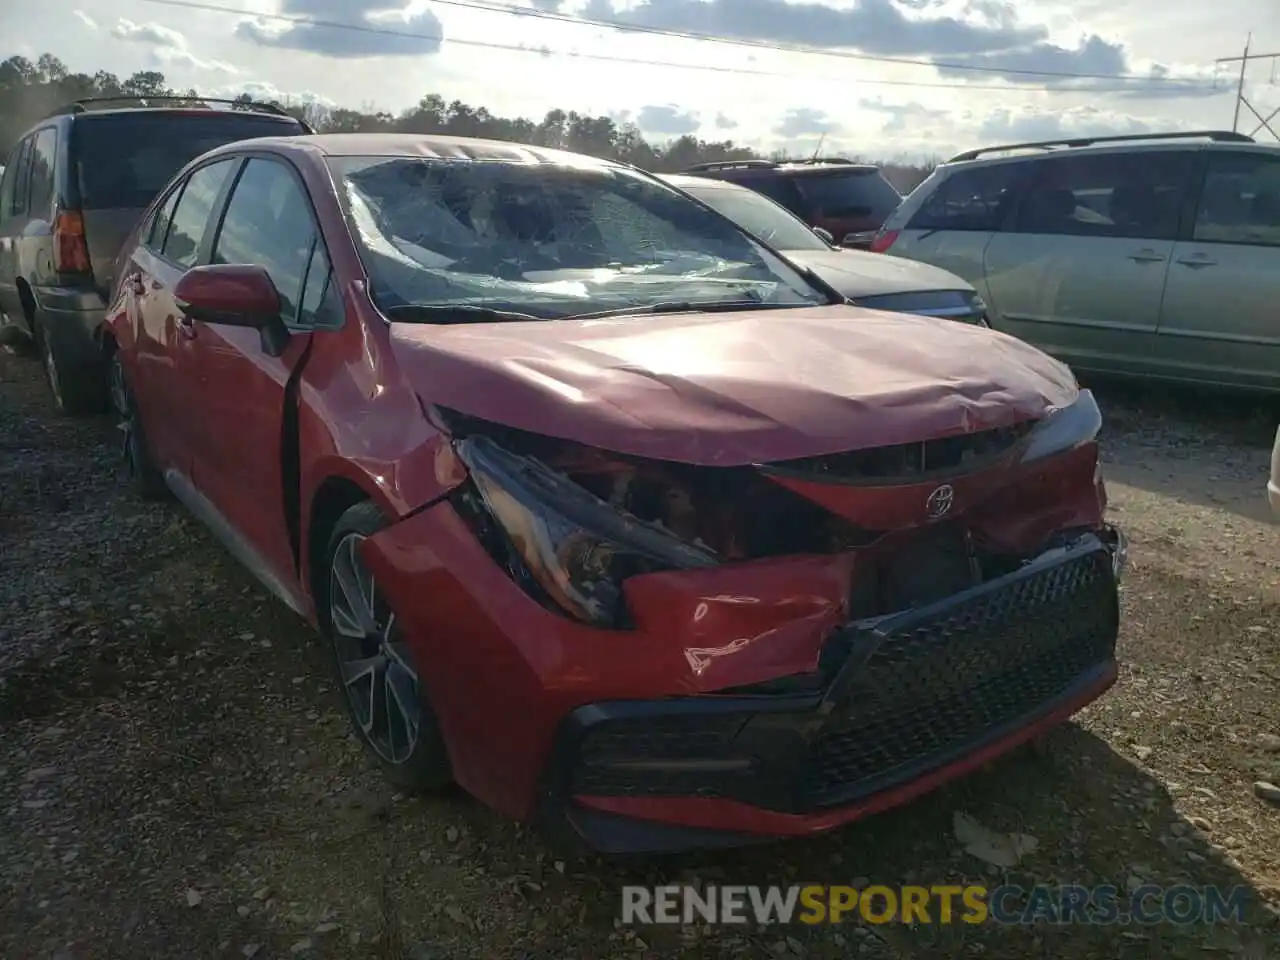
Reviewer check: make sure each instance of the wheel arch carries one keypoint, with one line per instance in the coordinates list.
(333, 496)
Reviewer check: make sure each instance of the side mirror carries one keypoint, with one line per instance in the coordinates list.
(237, 295)
(825, 235)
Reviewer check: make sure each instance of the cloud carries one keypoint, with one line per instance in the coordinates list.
(988, 40)
(872, 26)
(87, 20)
(155, 34)
(1028, 125)
(906, 117)
(263, 91)
(725, 123)
(668, 120)
(804, 121)
(168, 46)
(396, 32)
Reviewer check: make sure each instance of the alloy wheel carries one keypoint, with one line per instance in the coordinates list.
(378, 678)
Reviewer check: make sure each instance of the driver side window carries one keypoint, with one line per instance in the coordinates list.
(269, 222)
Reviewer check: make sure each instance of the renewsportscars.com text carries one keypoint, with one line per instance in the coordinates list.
(938, 904)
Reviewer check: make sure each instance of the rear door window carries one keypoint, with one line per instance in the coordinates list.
(853, 194)
(6, 184)
(43, 156)
(125, 159)
(778, 189)
(195, 207)
(1240, 202)
(21, 178)
(1137, 195)
(978, 199)
(160, 220)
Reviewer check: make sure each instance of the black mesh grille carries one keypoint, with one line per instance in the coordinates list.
(934, 687)
(964, 452)
(608, 747)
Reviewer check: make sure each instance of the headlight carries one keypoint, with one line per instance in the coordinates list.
(578, 548)
(963, 305)
(1065, 429)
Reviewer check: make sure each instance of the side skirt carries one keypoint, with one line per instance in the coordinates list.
(236, 545)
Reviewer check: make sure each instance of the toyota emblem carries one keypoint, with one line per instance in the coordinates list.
(939, 502)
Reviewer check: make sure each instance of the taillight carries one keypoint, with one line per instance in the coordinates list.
(70, 250)
(883, 240)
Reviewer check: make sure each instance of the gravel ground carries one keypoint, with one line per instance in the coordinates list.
(176, 779)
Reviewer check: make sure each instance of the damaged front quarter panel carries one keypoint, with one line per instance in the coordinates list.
(691, 631)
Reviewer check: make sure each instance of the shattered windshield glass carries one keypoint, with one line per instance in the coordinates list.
(548, 240)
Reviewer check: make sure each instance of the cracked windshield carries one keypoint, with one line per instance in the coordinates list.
(550, 241)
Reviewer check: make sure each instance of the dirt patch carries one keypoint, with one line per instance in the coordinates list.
(177, 781)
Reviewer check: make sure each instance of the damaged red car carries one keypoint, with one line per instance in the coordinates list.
(609, 513)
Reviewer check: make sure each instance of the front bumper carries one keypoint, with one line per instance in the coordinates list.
(903, 704)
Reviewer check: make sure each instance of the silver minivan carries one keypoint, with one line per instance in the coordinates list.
(1155, 255)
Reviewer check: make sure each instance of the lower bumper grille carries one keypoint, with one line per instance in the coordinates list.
(913, 692)
(936, 683)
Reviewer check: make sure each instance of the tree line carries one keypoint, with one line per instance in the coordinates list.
(32, 90)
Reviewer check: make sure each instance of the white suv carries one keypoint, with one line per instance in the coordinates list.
(1155, 255)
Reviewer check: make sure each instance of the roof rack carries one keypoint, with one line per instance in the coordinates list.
(85, 104)
(729, 164)
(1225, 136)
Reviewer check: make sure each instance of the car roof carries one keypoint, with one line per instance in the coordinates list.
(419, 145)
(754, 169)
(1190, 142)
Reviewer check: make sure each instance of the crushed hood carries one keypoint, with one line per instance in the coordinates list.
(856, 273)
(730, 389)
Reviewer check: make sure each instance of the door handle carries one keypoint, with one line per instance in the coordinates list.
(1146, 256)
(1198, 260)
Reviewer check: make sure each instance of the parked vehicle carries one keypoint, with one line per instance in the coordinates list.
(849, 200)
(74, 186)
(1273, 485)
(1156, 256)
(607, 512)
(881, 283)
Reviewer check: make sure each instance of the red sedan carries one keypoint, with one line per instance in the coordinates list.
(610, 513)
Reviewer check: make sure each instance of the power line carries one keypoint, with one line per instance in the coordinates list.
(806, 49)
(1241, 99)
(638, 61)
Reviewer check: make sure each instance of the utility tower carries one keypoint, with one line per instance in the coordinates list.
(1264, 123)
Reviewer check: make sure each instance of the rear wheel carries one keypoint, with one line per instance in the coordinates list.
(143, 475)
(78, 390)
(376, 672)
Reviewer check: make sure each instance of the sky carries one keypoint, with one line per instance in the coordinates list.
(871, 78)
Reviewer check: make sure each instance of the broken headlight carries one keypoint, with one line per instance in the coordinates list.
(1064, 429)
(576, 547)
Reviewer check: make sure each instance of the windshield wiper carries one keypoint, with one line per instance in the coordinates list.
(683, 306)
(453, 313)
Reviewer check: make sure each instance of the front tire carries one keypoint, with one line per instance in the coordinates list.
(375, 670)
